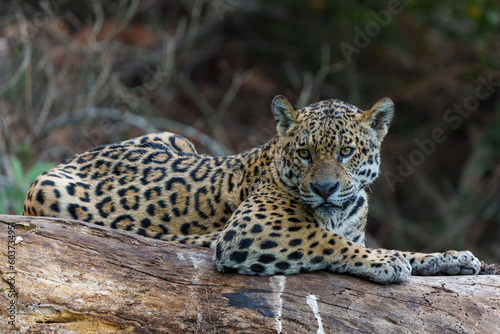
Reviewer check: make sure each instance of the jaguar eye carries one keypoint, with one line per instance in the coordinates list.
(304, 154)
(346, 151)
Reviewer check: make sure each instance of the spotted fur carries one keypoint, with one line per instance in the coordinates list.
(295, 204)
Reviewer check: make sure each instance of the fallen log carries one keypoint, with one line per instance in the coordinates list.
(67, 276)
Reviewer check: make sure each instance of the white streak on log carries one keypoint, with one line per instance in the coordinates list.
(278, 284)
(311, 301)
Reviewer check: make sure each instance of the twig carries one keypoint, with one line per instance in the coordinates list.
(312, 83)
(193, 28)
(228, 98)
(203, 105)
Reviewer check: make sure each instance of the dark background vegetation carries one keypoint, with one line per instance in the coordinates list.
(77, 74)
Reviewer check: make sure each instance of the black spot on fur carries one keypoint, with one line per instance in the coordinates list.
(40, 197)
(47, 183)
(218, 252)
(70, 189)
(245, 243)
(229, 235)
(282, 265)
(55, 207)
(317, 259)
(328, 251)
(256, 229)
(295, 255)
(72, 210)
(268, 244)
(185, 228)
(267, 258)
(239, 257)
(145, 222)
(257, 268)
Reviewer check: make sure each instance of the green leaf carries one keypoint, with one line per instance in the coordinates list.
(14, 194)
(17, 207)
(15, 198)
(17, 169)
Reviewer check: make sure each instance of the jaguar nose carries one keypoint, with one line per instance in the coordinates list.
(325, 189)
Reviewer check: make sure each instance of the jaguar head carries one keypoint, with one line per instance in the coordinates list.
(330, 150)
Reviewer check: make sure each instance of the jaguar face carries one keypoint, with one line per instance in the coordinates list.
(331, 150)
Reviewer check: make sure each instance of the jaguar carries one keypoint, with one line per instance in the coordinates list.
(296, 204)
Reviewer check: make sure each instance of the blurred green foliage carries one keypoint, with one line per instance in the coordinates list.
(21, 181)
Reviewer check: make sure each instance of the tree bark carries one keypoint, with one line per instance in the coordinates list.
(73, 276)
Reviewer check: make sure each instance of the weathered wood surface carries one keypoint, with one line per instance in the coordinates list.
(76, 277)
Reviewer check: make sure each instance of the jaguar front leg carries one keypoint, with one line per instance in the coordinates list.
(258, 242)
(447, 263)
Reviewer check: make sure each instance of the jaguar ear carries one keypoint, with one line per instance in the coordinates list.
(379, 116)
(284, 113)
